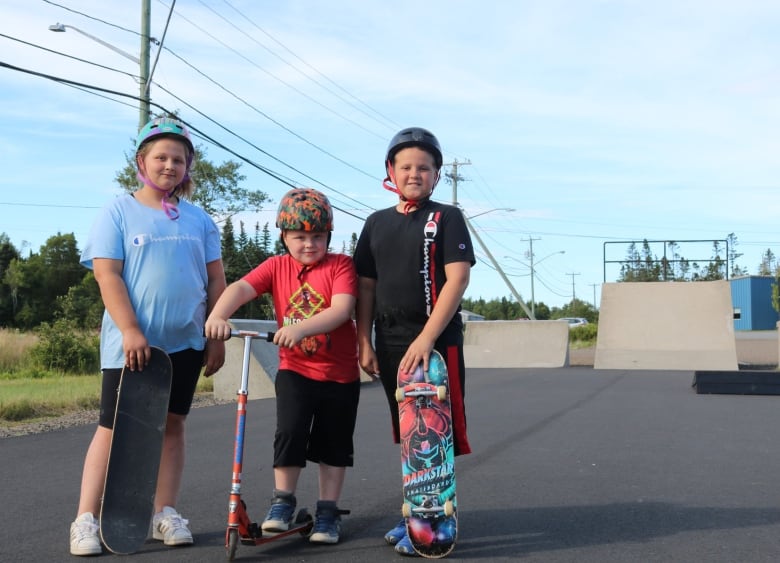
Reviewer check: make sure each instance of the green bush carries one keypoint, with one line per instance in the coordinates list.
(585, 333)
(64, 348)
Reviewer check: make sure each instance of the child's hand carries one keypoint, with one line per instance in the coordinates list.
(288, 336)
(419, 351)
(136, 349)
(217, 329)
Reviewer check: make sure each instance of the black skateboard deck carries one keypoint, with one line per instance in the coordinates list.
(134, 461)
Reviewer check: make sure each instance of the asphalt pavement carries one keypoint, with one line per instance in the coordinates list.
(570, 464)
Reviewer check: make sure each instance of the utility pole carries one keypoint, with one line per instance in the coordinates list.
(594, 285)
(531, 261)
(453, 175)
(144, 110)
(573, 293)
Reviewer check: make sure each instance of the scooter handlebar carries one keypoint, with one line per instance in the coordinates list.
(253, 334)
(267, 336)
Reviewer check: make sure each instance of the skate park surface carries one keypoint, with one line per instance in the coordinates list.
(569, 463)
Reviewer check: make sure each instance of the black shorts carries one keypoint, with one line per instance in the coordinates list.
(187, 366)
(315, 421)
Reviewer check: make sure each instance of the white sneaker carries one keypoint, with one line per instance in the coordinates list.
(171, 528)
(84, 536)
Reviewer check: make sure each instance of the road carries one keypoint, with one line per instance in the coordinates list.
(570, 464)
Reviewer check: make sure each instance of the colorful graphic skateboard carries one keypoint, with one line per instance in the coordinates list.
(428, 458)
(136, 446)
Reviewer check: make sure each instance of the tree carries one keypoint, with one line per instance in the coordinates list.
(82, 306)
(734, 268)
(640, 266)
(577, 308)
(768, 265)
(8, 254)
(38, 281)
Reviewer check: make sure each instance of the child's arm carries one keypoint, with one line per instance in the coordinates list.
(236, 294)
(365, 322)
(339, 312)
(108, 274)
(214, 356)
(451, 294)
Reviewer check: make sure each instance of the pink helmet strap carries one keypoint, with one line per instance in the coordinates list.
(170, 209)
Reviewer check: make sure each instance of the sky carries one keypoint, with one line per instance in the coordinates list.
(577, 125)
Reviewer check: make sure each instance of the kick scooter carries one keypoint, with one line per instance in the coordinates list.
(240, 528)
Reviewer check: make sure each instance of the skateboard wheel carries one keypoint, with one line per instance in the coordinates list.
(406, 510)
(399, 394)
(449, 508)
(441, 392)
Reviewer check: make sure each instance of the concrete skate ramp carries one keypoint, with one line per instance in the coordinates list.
(666, 325)
(516, 344)
(263, 363)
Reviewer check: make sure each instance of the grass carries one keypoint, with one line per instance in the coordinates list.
(28, 393)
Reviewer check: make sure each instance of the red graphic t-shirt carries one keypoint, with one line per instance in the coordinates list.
(299, 293)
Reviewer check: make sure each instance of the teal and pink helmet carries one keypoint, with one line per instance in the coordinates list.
(166, 127)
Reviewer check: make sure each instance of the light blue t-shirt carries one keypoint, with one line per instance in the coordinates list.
(164, 271)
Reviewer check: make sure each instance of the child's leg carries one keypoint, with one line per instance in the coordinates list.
(286, 478)
(331, 481)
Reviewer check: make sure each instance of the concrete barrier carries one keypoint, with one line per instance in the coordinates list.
(516, 344)
(666, 325)
(263, 364)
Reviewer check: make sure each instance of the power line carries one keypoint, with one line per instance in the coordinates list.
(293, 88)
(272, 38)
(92, 17)
(60, 53)
(305, 75)
(203, 135)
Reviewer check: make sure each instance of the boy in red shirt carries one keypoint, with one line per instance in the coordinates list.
(318, 382)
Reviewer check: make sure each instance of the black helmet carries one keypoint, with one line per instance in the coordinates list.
(415, 137)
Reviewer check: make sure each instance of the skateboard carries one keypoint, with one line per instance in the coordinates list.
(428, 458)
(240, 528)
(134, 458)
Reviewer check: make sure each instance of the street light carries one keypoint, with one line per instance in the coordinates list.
(531, 259)
(144, 111)
(491, 211)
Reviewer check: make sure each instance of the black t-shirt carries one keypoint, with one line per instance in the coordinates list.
(406, 255)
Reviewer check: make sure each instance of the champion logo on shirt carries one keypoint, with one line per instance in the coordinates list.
(429, 267)
(141, 240)
(144, 239)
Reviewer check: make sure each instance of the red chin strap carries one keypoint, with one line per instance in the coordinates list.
(409, 204)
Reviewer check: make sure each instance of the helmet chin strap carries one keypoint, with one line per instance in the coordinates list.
(170, 209)
(409, 204)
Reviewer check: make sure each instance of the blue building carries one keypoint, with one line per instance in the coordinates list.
(751, 297)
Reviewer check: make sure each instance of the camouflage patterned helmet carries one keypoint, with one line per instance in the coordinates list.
(304, 209)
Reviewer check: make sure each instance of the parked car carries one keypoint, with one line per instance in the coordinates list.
(574, 321)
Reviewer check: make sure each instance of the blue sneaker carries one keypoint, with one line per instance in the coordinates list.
(394, 536)
(404, 547)
(327, 523)
(280, 514)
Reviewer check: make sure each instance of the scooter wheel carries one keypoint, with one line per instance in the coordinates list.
(232, 544)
